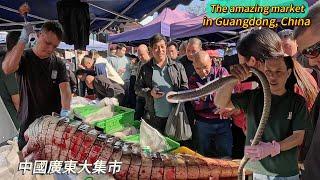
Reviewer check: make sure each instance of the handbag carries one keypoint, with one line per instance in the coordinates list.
(178, 126)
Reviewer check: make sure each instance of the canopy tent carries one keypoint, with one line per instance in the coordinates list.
(161, 24)
(103, 13)
(3, 36)
(65, 46)
(97, 46)
(93, 45)
(194, 27)
(8, 130)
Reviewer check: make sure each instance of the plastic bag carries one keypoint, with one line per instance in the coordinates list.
(126, 132)
(150, 137)
(101, 114)
(178, 126)
(96, 112)
(79, 101)
(108, 102)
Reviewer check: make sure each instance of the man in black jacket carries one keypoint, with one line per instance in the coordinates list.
(194, 45)
(157, 77)
(101, 85)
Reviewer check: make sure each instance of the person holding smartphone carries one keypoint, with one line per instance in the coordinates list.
(156, 78)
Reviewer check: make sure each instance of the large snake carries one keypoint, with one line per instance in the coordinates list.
(209, 88)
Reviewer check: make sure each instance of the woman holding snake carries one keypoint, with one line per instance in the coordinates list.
(275, 157)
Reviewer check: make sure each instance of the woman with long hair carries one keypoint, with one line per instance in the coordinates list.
(276, 155)
(263, 44)
(306, 85)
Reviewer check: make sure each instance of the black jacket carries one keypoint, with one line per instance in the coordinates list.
(312, 145)
(104, 87)
(187, 64)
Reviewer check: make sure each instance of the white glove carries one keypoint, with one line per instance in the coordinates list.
(26, 31)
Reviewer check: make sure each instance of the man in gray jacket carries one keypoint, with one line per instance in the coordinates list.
(156, 78)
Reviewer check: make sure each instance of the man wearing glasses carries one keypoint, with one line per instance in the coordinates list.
(289, 44)
(216, 57)
(308, 39)
(290, 47)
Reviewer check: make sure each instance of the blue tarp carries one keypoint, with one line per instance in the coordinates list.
(46, 9)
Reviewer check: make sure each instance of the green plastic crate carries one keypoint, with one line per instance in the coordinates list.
(87, 110)
(132, 138)
(123, 119)
(136, 139)
(136, 124)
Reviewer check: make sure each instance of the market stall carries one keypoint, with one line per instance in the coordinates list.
(126, 146)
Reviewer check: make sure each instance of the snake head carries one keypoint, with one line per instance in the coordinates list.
(170, 97)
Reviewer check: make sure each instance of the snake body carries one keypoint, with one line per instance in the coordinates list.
(189, 95)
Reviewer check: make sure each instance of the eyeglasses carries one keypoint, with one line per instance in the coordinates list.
(313, 51)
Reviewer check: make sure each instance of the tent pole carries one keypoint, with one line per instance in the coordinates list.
(229, 39)
(112, 12)
(76, 68)
(16, 11)
(21, 23)
(10, 30)
(92, 21)
(122, 12)
(114, 20)
(6, 20)
(221, 35)
(154, 10)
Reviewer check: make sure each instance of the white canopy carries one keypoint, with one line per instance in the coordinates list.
(93, 45)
